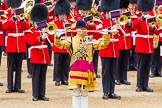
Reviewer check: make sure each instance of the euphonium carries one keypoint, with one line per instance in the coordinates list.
(123, 20)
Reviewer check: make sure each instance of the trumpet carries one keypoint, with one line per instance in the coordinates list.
(123, 20)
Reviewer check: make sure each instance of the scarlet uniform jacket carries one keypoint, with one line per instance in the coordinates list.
(15, 42)
(125, 39)
(112, 51)
(1, 35)
(144, 37)
(38, 52)
(60, 25)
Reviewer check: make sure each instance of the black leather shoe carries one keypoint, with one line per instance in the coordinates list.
(139, 90)
(125, 82)
(29, 76)
(98, 76)
(1, 84)
(152, 75)
(19, 90)
(159, 75)
(114, 96)
(35, 98)
(44, 98)
(9, 91)
(57, 83)
(64, 82)
(148, 89)
(105, 96)
(117, 82)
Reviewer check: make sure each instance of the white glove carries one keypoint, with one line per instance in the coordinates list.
(44, 36)
(59, 33)
(104, 31)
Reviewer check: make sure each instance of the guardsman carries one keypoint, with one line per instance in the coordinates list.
(156, 62)
(51, 17)
(36, 37)
(61, 56)
(110, 54)
(144, 44)
(1, 31)
(125, 44)
(15, 46)
(132, 65)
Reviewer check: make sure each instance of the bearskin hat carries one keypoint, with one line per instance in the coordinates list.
(62, 7)
(133, 1)
(108, 5)
(124, 3)
(14, 3)
(145, 5)
(72, 0)
(39, 13)
(83, 4)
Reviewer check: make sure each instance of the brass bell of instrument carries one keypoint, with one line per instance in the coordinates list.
(123, 20)
(51, 28)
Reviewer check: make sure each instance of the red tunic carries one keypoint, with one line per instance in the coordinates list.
(144, 37)
(38, 51)
(112, 51)
(125, 39)
(15, 37)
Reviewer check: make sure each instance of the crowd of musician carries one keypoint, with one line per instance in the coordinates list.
(125, 34)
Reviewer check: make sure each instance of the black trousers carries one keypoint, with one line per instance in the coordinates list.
(61, 66)
(109, 68)
(39, 79)
(144, 61)
(1, 49)
(122, 65)
(156, 62)
(49, 50)
(28, 60)
(95, 61)
(14, 60)
(133, 58)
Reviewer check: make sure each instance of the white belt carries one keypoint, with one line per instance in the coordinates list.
(1, 32)
(160, 34)
(38, 47)
(128, 34)
(144, 36)
(15, 34)
(114, 40)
